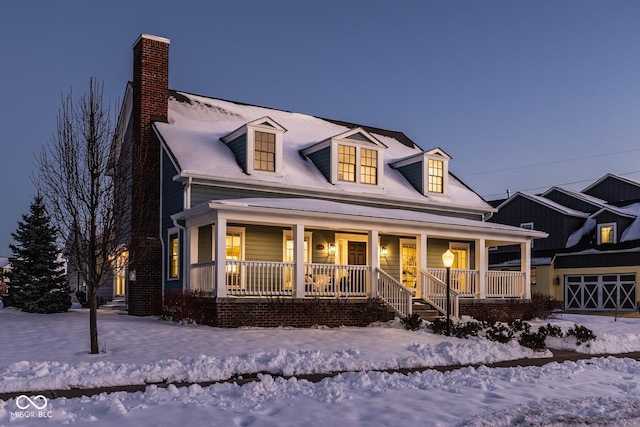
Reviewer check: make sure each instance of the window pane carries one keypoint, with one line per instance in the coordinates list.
(174, 253)
(435, 176)
(368, 166)
(606, 234)
(346, 163)
(265, 151)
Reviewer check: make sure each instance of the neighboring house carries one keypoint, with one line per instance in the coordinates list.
(272, 212)
(591, 259)
(5, 269)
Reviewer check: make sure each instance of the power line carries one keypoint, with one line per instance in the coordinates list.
(550, 162)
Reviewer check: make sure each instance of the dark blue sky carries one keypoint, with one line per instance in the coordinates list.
(523, 95)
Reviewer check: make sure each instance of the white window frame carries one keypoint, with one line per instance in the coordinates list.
(174, 231)
(358, 175)
(615, 232)
(288, 235)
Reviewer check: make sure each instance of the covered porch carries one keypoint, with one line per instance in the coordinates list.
(295, 248)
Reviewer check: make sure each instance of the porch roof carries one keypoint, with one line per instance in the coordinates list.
(284, 210)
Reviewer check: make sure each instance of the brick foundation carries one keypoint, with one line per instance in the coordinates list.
(273, 312)
(501, 310)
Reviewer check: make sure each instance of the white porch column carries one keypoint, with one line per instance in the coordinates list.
(191, 254)
(525, 267)
(374, 261)
(298, 259)
(220, 256)
(482, 264)
(421, 262)
(421, 241)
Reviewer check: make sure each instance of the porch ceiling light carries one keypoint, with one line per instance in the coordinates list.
(332, 248)
(447, 258)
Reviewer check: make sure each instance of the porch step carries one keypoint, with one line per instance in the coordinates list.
(425, 310)
(117, 304)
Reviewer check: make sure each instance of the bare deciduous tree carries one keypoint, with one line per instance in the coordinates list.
(73, 174)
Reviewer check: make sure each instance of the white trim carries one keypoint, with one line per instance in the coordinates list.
(173, 231)
(288, 235)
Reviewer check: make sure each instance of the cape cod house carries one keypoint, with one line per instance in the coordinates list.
(279, 214)
(591, 259)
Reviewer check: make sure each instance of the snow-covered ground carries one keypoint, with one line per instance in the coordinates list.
(51, 352)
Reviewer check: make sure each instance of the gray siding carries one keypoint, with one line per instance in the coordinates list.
(413, 174)
(572, 202)
(239, 148)
(322, 160)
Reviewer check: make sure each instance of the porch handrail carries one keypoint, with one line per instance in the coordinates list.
(464, 282)
(394, 294)
(505, 284)
(434, 291)
(336, 280)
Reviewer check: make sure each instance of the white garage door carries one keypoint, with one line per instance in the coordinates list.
(600, 292)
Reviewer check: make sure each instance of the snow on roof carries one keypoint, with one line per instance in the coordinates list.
(633, 231)
(196, 123)
(374, 213)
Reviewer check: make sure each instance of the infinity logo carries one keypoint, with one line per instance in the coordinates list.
(21, 404)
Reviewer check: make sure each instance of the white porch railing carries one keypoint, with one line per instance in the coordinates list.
(394, 294)
(505, 284)
(464, 282)
(259, 278)
(434, 291)
(331, 280)
(202, 276)
(262, 278)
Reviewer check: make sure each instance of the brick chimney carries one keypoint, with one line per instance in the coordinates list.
(150, 104)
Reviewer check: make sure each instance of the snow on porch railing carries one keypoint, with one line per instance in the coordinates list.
(394, 294)
(434, 291)
(505, 284)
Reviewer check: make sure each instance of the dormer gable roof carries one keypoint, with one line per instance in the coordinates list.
(614, 177)
(357, 135)
(266, 121)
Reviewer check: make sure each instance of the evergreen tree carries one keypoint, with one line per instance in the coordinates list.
(38, 282)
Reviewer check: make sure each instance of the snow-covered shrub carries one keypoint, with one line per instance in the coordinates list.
(412, 322)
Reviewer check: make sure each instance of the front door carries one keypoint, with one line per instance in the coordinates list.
(357, 253)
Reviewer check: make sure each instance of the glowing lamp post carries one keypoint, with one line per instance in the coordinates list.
(447, 260)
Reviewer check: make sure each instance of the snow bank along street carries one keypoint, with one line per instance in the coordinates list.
(51, 352)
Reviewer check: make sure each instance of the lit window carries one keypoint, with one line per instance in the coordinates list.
(234, 248)
(368, 166)
(346, 163)
(436, 168)
(265, 151)
(606, 234)
(174, 255)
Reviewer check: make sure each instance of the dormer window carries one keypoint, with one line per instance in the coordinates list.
(264, 157)
(257, 146)
(428, 172)
(354, 156)
(606, 233)
(436, 177)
